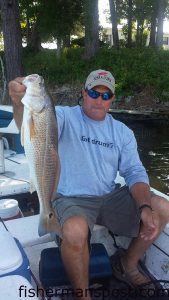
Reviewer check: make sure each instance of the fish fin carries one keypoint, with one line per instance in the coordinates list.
(31, 186)
(32, 129)
(22, 135)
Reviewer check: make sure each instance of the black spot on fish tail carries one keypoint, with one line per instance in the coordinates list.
(50, 215)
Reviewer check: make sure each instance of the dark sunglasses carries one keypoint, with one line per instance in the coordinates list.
(94, 94)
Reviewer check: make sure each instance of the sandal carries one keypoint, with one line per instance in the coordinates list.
(142, 280)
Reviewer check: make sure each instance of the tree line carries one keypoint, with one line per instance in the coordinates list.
(143, 17)
(37, 21)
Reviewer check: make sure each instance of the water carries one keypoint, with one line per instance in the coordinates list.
(153, 146)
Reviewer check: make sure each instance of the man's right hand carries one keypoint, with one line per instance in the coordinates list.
(16, 90)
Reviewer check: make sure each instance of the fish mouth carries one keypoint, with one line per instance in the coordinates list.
(34, 78)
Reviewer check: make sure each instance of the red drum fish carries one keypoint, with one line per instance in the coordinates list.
(39, 136)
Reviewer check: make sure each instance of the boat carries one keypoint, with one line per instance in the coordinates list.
(23, 252)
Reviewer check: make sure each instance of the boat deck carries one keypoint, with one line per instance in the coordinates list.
(106, 288)
(25, 230)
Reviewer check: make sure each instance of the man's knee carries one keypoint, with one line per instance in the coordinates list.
(75, 231)
(161, 206)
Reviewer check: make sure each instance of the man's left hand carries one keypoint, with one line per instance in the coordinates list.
(150, 224)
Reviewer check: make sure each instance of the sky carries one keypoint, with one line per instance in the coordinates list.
(104, 4)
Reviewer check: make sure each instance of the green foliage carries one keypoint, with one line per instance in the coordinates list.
(78, 42)
(58, 18)
(29, 10)
(54, 19)
(133, 69)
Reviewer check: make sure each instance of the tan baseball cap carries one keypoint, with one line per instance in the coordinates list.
(100, 77)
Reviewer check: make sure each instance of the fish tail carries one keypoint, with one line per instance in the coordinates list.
(48, 223)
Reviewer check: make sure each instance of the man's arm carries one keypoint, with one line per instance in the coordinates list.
(135, 175)
(16, 92)
(142, 195)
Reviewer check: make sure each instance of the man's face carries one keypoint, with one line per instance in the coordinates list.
(96, 109)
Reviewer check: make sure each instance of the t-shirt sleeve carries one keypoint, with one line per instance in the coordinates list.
(130, 166)
(60, 119)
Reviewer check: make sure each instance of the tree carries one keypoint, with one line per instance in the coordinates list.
(57, 20)
(113, 13)
(140, 12)
(153, 23)
(91, 28)
(129, 14)
(30, 14)
(45, 21)
(160, 17)
(12, 38)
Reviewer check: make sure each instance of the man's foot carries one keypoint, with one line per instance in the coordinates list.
(135, 278)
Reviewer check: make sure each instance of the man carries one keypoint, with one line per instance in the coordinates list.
(93, 146)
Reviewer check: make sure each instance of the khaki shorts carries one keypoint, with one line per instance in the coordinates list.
(117, 211)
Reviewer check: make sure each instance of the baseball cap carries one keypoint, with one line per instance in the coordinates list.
(100, 77)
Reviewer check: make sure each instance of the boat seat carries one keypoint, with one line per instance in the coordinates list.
(52, 272)
(26, 231)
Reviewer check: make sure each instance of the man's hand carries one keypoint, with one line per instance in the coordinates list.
(16, 90)
(150, 224)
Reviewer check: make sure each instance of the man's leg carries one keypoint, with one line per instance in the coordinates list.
(138, 246)
(75, 254)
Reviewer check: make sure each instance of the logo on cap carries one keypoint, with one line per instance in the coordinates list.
(103, 73)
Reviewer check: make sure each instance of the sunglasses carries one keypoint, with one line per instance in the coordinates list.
(94, 95)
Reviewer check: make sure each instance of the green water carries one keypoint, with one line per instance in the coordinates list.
(153, 146)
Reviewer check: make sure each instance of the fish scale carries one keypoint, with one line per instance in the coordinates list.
(39, 136)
